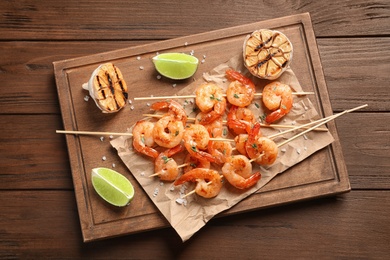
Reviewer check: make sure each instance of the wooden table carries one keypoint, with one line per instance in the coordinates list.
(38, 214)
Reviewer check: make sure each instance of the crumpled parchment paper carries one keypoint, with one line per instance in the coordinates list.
(190, 214)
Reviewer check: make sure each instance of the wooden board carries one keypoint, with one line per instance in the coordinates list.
(324, 173)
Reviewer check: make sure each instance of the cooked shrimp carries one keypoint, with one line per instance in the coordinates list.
(193, 162)
(174, 108)
(196, 138)
(278, 98)
(240, 141)
(209, 181)
(238, 172)
(210, 100)
(241, 90)
(240, 120)
(220, 150)
(261, 148)
(143, 138)
(168, 132)
(165, 166)
(215, 128)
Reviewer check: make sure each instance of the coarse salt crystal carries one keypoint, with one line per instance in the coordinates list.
(138, 58)
(132, 107)
(113, 165)
(156, 190)
(283, 150)
(148, 104)
(104, 158)
(102, 138)
(158, 76)
(141, 67)
(86, 98)
(298, 151)
(174, 85)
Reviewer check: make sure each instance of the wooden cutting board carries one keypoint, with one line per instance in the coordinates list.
(322, 174)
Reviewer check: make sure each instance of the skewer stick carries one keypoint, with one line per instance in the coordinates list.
(254, 159)
(261, 124)
(321, 123)
(305, 126)
(91, 133)
(194, 96)
(179, 166)
(193, 191)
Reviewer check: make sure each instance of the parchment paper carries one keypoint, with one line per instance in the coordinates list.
(190, 214)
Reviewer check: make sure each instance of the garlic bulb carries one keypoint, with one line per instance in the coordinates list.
(107, 88)
(267, 53)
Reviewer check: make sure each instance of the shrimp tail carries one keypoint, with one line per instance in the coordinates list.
(174, 150)
(235, 75)
(244, 183)
(274, 116)
(201, 155)
(209, 118)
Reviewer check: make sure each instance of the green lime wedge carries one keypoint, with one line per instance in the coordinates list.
(176, 65)
(112, 186)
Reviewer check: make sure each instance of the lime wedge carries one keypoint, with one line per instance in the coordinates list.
(176, 65)
(112, 186)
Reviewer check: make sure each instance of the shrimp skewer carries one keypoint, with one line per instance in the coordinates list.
(174, 109)
(299, 93)
(208, 182)
(241, 90)
(166, 167)
(240, 120)
(238, 172)
(277, 97)
(196, 139)
(143, 138)
(210, 100)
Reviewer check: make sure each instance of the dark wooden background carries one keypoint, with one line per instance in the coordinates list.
(38, 214)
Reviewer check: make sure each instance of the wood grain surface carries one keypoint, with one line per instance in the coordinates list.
(38, 213)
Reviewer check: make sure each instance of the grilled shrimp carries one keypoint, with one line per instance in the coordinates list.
(240, 141)
(168, 132)
(240, 120)
(241, 90)
(220, 150)
(238, 172)
(215, 128)
(174, 109)
(165, 166)
(208, 182)
(193, 162)
(261, 148)
(143, 138)
(196, 138)
(210, 100)
(278, 98)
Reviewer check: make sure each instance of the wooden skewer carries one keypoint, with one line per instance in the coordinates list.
(91, 133)
(179, 166)
(194, 96)
(329, 118)
(261, 124)
(193, 191)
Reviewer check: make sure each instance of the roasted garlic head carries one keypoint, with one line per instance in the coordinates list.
(108, 88)
(267, 53)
